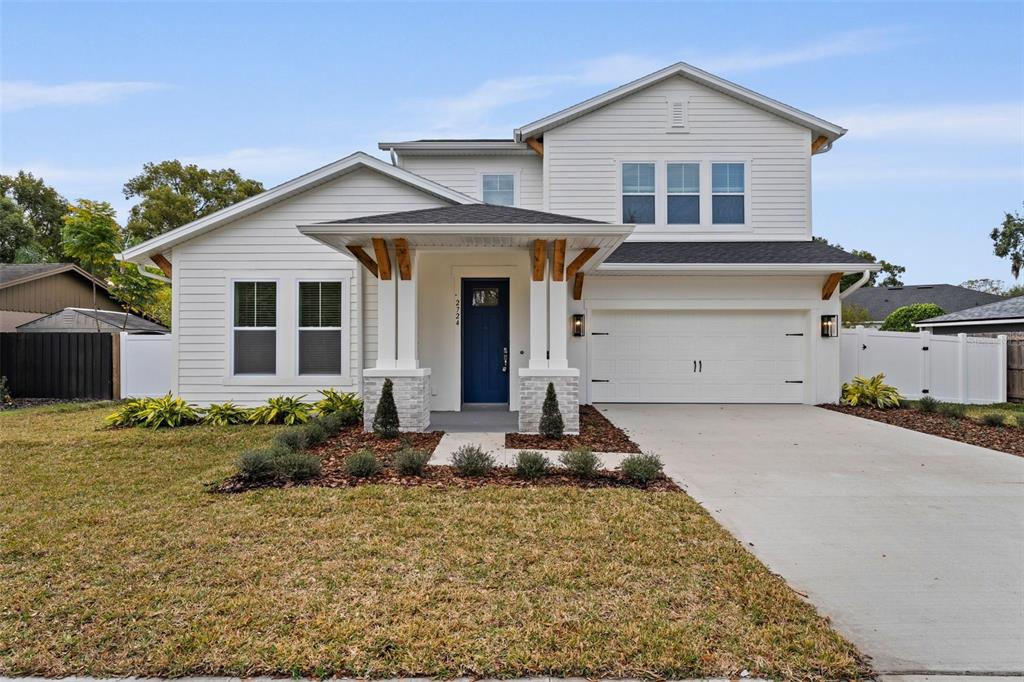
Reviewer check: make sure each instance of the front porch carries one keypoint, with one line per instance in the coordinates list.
(472, 306)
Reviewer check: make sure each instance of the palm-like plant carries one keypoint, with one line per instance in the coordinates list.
(168, 411)
(873, 392)
(225, 414)
(282, 409)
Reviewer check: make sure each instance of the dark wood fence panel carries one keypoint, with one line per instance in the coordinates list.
(1015, 370)
(58, 364)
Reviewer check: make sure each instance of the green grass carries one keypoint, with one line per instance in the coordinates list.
(1014, 411)
(114, 561)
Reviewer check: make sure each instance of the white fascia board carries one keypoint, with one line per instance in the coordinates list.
(142, 252)
(449, 147)
(969, 323)
(819, 125)
(799, 268)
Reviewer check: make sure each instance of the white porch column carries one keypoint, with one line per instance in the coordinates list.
(539, 322)
(558, 324)
(408, 334)
(387, 321)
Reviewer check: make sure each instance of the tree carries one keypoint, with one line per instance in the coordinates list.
(140, 294)
(385, 419)
(15, 232)
(890, 272)
(985, 285)
(1008, 241)
(1014, 291)
(551, 424)
(173, 194)
(92, 237)
(43, 211)
(854, 315)
(903, 319)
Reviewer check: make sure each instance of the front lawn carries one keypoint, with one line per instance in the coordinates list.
(114, 561)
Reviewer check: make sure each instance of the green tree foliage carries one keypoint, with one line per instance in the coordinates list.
(891, 274)
(551, 423)
(986, 285)
(854, 315)
(42, 210)
(385, 419)
(1008, 241)
(173, 194)
(1014, 291)
(15, 232)
(903, 319)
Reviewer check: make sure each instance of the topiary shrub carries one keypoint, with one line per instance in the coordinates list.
(642, 468)
(225, 414)
(993, 419)
(873, 392)
(531, 464)
(362, 464)
(411, 461)
(928, 404)
(471, 460)
(580, 461)
(551, 423)
(282, 409)
(903, 319)
(385, 419)
(953, 410)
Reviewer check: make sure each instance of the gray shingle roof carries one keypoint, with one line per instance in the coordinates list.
(1007, 308)
(114, 318)
(732, 252)
(467, 214)
(11, 272)
(880, 301)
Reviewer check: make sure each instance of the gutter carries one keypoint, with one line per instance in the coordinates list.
(856, 285)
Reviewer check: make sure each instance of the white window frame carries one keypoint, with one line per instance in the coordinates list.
(232, 328)
(746, 196)
(659, 191)
(515, 184)
(699, 194)
(345, 329)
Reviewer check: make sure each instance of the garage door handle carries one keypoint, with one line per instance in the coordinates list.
(600, 381)
(694, 365)
(599, 333)
(700, 365)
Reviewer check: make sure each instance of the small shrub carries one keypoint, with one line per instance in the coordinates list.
(928, 404)
(642, 468)
(1018, 421)
(531, 464)
(953, 410)
(332, 401)
(551, 423)
(362, 464)
(335, 422)
(873, 392)
(993, 419)
(282, 409)
(411, 461)
(580, 461)
(315, 434)
(471, 460)
(257, 466)
(903, 319)
(167, 411)
(293, 439)
(225, 414)
(385, 419)
(297, 466)
(129, 414)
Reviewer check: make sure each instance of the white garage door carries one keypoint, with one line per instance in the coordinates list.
(686, 356)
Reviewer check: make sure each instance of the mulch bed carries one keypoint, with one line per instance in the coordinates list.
(596, 433)
(1009, 439)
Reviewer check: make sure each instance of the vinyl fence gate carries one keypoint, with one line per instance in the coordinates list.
(60, 365)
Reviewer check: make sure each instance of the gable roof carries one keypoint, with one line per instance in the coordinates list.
(352, 162)
(1009, 309)
(467, 214)
(880, 301)
(113, 318)
(819, 126)
(12, 274)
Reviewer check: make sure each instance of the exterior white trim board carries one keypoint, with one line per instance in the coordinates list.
(964, 323)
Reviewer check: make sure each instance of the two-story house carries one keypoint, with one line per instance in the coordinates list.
(651, 244)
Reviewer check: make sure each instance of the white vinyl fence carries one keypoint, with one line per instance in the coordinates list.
(145, 365)
(961, 368)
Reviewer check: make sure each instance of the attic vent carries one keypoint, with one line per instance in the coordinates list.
(677, 115)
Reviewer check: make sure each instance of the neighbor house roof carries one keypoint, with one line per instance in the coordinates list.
(12, 274)
(880, 301)
(736, 253)
(467, 214)
(67, 318)
(1006, 310)
(353, 162)
(817, 125)
(462, 147)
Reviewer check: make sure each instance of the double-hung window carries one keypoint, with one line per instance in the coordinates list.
(255, 328)
(683, 187)
(727, 193)
(320, 327)
(499, 189)
(638, 193)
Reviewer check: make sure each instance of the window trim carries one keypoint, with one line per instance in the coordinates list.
(745, 194)
(658, 190)
(232, 328)
(515, 184)
(346, 338)
(699, 194)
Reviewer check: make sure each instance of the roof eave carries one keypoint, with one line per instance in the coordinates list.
(679, 268)
(970, 323)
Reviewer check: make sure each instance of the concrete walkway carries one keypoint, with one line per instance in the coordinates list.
(913, 545)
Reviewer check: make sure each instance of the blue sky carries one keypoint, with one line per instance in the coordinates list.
(933, 94)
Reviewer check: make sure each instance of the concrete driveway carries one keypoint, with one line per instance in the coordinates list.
(913, 545)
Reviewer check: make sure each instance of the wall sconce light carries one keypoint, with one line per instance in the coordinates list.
(829, 326)
(579, 326)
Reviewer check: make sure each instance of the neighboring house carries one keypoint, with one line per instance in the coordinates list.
(651, 244)
(1002, 317)
(880, 301)
(90, 320)
(31, 291)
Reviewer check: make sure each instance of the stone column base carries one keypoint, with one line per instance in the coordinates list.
(533, 386)
(412, 396)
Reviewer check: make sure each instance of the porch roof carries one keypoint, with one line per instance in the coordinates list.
(468, 214)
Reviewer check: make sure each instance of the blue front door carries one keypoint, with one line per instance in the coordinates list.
(485, 341)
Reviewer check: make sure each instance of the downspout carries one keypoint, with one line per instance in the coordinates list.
(856, 285)
(142, 271)
(394, 157)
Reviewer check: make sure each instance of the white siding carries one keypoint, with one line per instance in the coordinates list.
(267, 245)
(582, 159)
(462, 173)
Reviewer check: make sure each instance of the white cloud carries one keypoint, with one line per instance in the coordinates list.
(270, 165)
(19, 95)
(986, 122)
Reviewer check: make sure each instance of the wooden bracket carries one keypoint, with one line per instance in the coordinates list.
(577, 287)
(536, 145)
(364, 258)
(818, 143)
(403, 258)
(579, 261)
(162, 263)
(558, 261)
(540, 254)
(830, 285)
(380, 247)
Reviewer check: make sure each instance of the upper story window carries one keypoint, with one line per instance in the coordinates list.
(255, 328)
(320, 327)
(499, 189)
(638, 193)
(683, 187)
(728, 193)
